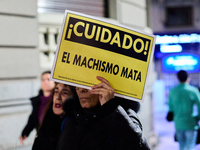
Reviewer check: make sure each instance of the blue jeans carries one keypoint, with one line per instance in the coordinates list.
(186, 139)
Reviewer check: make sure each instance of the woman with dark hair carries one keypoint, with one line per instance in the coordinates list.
(49, 131)
(96, 120)
(38, 104)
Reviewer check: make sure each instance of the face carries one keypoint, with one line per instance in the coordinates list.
(87, 100)
(61, 93)
(46, 83)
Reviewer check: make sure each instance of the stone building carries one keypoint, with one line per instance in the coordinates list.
(29, 31)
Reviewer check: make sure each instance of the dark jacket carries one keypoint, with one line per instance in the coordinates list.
(48, 134)
(33, 121)
(113, 126)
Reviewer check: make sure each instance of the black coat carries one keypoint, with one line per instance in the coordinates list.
(48, 134)
(33, 122)
(113, 126)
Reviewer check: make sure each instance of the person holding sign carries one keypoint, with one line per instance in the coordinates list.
(97, 120)
(49, 131)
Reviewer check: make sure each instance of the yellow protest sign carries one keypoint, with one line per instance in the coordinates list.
(90, 47)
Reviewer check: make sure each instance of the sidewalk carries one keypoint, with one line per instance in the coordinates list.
(23, 148)
(166, 132)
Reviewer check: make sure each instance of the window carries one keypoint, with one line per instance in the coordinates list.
(179, 16)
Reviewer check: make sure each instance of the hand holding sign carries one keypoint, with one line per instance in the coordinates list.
(105, 91)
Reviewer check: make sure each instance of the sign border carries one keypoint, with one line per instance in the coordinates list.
(109, 22)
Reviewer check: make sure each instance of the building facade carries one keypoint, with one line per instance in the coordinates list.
(177, 26)
(29, 39)
(19, 65)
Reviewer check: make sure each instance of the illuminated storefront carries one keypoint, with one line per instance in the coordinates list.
(178, 51)
(174, 52)
(182, 61)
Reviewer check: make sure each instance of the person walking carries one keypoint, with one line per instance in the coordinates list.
(38, 104)
(182, 98)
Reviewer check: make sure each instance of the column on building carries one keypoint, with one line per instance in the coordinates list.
(19, 68)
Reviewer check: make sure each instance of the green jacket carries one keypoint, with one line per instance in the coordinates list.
(181, 101)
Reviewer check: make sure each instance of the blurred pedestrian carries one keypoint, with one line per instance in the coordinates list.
(182, 98)
(97, 120)
(38, 104)
(49, 131)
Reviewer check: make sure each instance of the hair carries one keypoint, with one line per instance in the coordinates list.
(50, 103)
(182, 75)
(45, 72)
(48, 71)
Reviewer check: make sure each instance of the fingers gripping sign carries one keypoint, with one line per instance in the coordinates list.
(104, 90)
